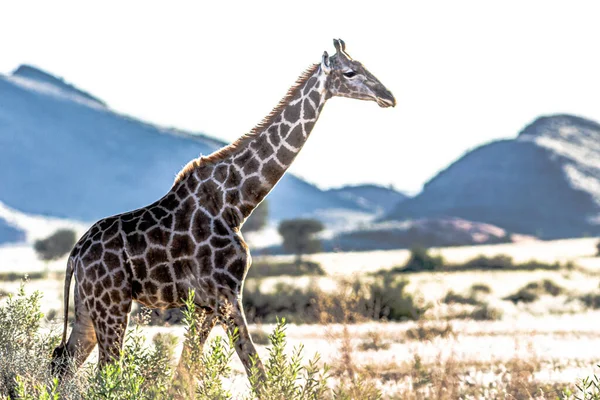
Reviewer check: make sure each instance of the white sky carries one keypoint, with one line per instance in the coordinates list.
(463, 72)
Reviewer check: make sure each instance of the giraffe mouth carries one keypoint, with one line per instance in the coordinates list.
(386, 102)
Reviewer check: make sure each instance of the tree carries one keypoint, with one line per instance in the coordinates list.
(56, 245)
(298, 236)
(258, 219)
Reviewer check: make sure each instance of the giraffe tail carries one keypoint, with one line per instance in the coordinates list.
(68, 276)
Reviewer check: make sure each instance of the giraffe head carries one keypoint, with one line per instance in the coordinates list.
(349, 78)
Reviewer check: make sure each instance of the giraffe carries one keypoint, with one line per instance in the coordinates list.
(190, 239)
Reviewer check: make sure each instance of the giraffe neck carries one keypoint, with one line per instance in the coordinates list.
(248, 169)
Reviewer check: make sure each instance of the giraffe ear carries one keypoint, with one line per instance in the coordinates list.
(325, 66)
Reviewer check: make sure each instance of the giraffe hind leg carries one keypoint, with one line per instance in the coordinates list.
(66, 358)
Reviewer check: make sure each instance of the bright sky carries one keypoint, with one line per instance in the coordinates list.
(463, 72)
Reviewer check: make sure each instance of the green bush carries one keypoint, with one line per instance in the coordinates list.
(455, 298)
(384, 298)
(266, 269)
(420, 260)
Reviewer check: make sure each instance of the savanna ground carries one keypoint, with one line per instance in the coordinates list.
(485, 322)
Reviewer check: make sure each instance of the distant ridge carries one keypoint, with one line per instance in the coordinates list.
(36, 74)
(545, 182)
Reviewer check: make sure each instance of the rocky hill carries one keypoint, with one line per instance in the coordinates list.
(64, 153)
(545, 182)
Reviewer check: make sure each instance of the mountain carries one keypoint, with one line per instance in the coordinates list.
(545, 182)
(379, 199)
(64, 153)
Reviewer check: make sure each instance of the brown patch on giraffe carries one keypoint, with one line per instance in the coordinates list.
(140, 268)
(137, 243)
(147, 221)
(182, 245)
(246, 209)
(234, 178)
(210, 197)
(283, 130)
(203, 255)
(156, 256)
(296, 137)
(107, 282)
(273, 132)
(226, 280)
(262, 147)
(238, 269)
(232, 197)
(112, 230)
(220, 228)
(308, 126)
(222, 256)
(183, 215)
(169, 202)
(183, 268)
(136, 288)
(292, 113)
(157, 212)
(253, 190)
(167, 293)
(118, 278)
(285, 156)
(94, 253)
(219, 242)
(112, 261)
(309, 111)
(251, 166)
(315, 97)
(115, 243)
(231, 217)
(158, 235)
(220, 173)
(272, 172)
(160, 273)
(106, 299)
(115, 296)
(98, 290)
(243, 158)
(150, 288)
(201, 226)
(191, 183)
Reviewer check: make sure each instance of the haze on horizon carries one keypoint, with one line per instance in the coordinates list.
(463, 73)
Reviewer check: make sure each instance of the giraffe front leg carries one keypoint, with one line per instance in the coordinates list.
(207, 321)
(244, 347)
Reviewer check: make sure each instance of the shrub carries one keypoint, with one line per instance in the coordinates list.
(56, 245)
(523, 295)
(266, 269)
(485, 312)
(455, 298)
(384, 298)
(429, 331)
(531, 292)
(420, 260)
(480, 288)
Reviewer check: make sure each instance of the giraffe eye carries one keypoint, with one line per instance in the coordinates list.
(349, 74)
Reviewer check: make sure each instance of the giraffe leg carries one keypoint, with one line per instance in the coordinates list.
(244, 347)
(68, 357)
(110, 331)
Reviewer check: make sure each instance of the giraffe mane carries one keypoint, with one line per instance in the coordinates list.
(228, 150)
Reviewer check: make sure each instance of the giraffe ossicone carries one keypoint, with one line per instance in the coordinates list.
(190, 238)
